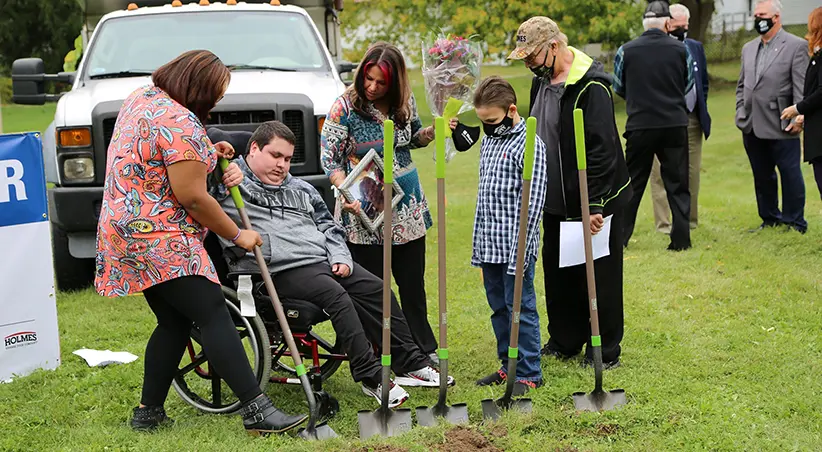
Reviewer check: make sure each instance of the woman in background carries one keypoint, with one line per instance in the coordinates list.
(809, 111)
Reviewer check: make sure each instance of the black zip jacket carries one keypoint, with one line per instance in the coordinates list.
(609, 187)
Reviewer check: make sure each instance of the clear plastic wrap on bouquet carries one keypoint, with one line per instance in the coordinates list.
(451, 70)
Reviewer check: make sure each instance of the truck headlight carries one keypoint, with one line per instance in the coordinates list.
(78, 168)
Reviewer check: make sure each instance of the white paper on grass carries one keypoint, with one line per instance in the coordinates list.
(100, 358)
(572, 242)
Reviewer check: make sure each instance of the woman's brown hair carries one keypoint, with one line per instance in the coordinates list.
(196, 80)
(390, 60)
(814, 36)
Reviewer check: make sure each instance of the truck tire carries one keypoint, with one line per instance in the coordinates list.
(70, 273)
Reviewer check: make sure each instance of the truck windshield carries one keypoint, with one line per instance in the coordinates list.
(133, 46)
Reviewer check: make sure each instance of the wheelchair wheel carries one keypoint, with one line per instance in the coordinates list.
(200, 385)
(328, 357)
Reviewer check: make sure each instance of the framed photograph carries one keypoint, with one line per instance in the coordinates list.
(365, 184)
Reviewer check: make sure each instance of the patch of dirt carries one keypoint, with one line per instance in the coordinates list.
(607, 429)
(464, 439)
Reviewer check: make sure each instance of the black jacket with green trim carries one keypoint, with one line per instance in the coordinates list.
(609, 187)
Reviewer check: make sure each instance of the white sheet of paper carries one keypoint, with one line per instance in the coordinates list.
(572, 242)
(100, 358)
(247, 308)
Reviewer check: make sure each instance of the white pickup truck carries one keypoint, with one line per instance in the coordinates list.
(285, 63)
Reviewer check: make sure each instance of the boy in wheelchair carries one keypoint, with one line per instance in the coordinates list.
(309, 260)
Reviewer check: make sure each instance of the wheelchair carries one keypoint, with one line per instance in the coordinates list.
(200, 386)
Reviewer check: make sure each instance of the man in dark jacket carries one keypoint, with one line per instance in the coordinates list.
(652, 73)
(699, 125)
(567, 79)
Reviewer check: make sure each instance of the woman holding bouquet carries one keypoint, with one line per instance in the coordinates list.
(354, 126)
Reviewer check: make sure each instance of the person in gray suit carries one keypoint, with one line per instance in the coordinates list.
(772, 78)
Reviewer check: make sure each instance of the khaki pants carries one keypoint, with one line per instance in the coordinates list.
(662, 211)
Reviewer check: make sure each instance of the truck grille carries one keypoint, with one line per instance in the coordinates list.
(291, 118)
(294, 120)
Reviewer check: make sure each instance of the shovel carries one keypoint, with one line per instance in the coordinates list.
(598, 400)
(457, 413)
(384, 421)
(312, 431)
(492, 409)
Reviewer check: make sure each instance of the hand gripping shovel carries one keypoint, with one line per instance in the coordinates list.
(384, 421)
(457, 413)
(312, 431)
(493, 409)
(598, 400)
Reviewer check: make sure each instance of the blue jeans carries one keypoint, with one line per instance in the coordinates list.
(499, 289)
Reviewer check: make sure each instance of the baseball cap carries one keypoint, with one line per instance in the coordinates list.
(533, 33)
(657, 8)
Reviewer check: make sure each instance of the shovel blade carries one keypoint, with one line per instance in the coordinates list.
(384, 422)
(599, 400)
(492, 409)
(320, 432)
(455, 414)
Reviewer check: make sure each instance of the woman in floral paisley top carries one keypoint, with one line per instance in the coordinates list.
(354, 126)
(155, 214)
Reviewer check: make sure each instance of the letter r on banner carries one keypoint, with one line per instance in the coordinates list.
(11, 175)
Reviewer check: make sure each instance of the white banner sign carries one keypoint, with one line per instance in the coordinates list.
(28, 310)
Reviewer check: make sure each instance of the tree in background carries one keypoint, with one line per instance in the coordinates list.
(610, 22)
(702, 12)
(38, 28)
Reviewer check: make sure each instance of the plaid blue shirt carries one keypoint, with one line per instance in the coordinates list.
(499, 197)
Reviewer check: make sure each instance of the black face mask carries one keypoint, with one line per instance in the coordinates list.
(496, 130)
(763, 25)
(543, 71)
(679, 33)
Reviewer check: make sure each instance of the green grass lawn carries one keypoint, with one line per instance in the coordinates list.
(722, 345)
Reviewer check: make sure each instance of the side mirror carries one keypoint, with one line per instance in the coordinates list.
(28, 77)
(345, 67)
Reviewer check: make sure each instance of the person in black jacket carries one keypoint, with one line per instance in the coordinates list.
(567, 79)
(809, 110)
(652, 73)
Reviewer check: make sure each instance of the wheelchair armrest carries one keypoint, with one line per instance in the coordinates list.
(256, 277)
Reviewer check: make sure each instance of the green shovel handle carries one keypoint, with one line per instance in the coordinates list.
(579, 135)
(439, 134)
(388, 151)
(235, 192)
(530, 144)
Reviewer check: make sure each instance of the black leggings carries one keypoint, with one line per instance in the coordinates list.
(177, 303)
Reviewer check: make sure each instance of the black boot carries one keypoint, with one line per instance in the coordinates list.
(261, 417)
(149, 417)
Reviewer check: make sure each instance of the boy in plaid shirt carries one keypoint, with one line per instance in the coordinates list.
(496, 228)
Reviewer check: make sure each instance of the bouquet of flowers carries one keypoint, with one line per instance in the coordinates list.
(451, 70)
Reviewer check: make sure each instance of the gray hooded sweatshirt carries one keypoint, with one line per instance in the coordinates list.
(296, 227)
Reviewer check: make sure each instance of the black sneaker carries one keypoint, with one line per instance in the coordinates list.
(261, 417)
(606, 365)
(149, 418)
(521, 387)
(495, 378)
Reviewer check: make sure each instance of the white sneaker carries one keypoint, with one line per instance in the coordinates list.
(426, 377)
(396, 395)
